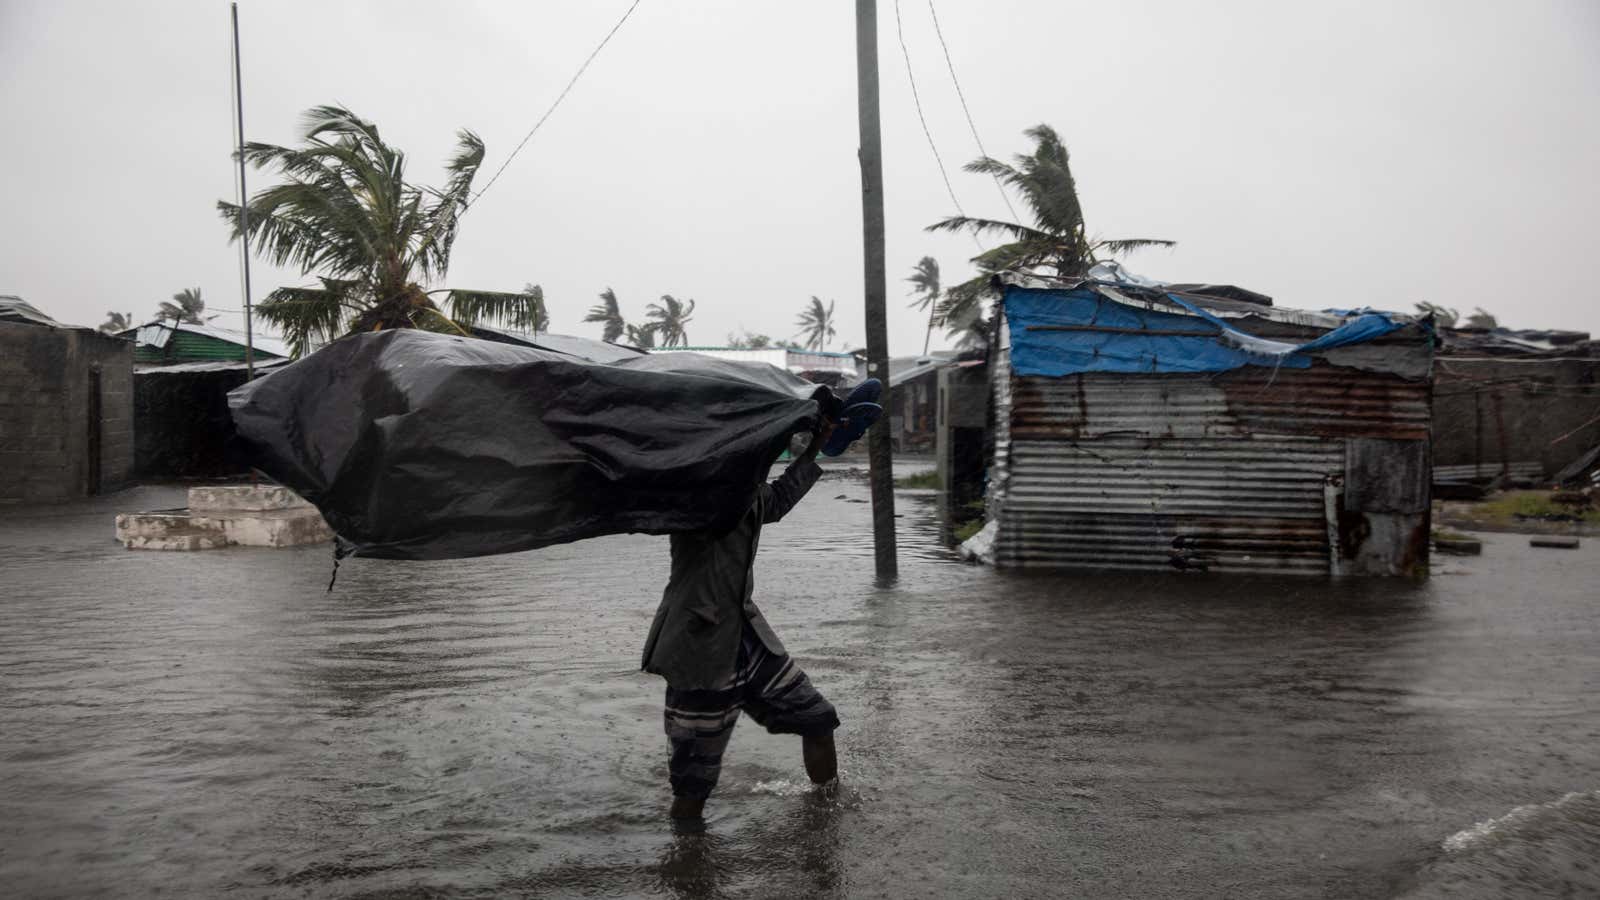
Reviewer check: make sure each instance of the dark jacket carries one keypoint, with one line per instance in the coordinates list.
(694, 640)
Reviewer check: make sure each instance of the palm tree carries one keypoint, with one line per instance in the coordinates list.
(816, 324)
(1443, 316)
(186, 308)
(609, 314)
(1057, 241)
(748, 341)
(925, 286)
(670, 315)
(972, 332)
(532, 315)
(345, 212)
(1481, 319)
(116, 322)
(642, 336)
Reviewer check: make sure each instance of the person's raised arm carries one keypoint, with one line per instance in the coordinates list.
(782, 494)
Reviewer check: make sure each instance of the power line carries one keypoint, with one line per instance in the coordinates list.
(562, 96)
(963, 97)
(917, 98)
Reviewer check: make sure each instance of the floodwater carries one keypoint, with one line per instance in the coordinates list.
(217, 725)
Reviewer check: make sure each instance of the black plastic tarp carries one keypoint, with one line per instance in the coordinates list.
(425, 446)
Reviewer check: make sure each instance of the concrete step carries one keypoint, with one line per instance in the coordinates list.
(167, 530)
(253, 497)
(269, 528)
(190, 529)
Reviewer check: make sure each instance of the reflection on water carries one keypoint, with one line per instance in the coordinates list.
(217, 724)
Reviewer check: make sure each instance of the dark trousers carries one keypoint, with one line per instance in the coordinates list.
(771, 688)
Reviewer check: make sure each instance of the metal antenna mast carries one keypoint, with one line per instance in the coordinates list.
(244, 203)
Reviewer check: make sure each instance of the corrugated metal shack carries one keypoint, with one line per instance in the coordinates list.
(1146, 427)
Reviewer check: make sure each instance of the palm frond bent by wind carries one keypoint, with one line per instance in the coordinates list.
(345, 213)
(1057, 242)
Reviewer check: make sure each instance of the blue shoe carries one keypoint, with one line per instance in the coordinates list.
(861, 410)
(866, 392)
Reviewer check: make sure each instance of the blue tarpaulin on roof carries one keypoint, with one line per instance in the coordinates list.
(1065, 332)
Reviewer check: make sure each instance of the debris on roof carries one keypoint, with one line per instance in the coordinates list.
(16, 309)
(1083, 326)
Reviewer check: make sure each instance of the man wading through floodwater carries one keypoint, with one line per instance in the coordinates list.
(720, 657)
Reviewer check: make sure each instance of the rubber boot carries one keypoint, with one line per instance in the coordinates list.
(687, 815)
(822, 762)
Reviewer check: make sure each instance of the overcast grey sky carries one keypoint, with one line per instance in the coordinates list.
(1328, 154)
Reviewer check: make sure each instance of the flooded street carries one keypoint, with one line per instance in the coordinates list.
(216, 724)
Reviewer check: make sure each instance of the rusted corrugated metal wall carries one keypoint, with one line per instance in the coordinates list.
(1238, 471)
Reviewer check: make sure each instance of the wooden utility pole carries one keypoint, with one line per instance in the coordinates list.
(871, 153)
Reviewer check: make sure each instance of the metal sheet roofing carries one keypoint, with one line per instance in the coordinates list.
(796, 361)
(157, 333)
(196, 367)
(16, 309)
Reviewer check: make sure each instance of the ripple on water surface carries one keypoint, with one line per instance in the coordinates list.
(218, 724)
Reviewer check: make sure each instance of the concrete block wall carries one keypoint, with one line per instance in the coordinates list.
(115, 359)
(44, 411)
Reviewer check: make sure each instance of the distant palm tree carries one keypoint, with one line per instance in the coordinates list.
(532, 315)
(1443, 316)
(609, 314)
(816, 324)
(1481, 319)
(116, 322)
(345, 212)
(642, 336)
(925, 286)
(186, 308)
(1058, 239)
(748, 341)
(972, 332)
(670, 315)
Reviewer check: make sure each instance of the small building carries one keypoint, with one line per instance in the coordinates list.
(914, 400)
(1515, 404)
(184, 428)
(182, 375)
(962, 425)
(165, 342)
(1147, 427)
(66, 407)
(818, 366)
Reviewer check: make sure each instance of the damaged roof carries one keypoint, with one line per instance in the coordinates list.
(16, 309)
(156, 334)
(1062, 327)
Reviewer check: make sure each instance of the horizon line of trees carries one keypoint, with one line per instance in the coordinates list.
(343, 213)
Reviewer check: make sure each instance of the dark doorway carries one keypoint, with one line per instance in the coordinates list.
(94, 431)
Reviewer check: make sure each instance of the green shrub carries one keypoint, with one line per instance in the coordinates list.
(928, 480)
